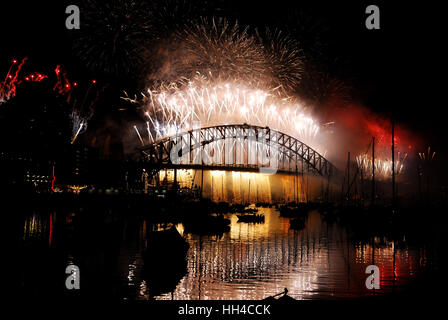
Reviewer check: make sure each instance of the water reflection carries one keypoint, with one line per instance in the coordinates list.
(38, 226)
(251, 261)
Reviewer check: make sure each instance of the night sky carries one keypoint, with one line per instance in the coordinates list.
(394, 71)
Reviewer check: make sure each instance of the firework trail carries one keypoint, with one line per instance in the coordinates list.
(62, 85)
(383, 167)
(83, 109)
(81, 100)
(9, 86)
(78, 123)
(427, 156)
(79, 126)
(35, 77)
(139, 136)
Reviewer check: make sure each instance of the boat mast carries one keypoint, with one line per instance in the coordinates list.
(373, 171)
(348, 178)
(393, 164)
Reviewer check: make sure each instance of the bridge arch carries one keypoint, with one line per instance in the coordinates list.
(235, 147)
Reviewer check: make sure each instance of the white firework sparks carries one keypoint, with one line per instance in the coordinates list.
(170, 110)
(383, 167)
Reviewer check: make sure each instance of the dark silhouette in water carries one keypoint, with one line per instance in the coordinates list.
(165, 261)
(295, 210)
(282, 297)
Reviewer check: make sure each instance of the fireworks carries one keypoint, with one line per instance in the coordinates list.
(225, 51)
(221, 73)
(284, 59)
(77, 132)
(426, 157)
(383, 167)
(62, 85)
(83, 109)
(112, 35)
(9, 86)
(78, 124)
(35, 77)
(212, 71)
(171, 109)
(81, 100)
(139, 136)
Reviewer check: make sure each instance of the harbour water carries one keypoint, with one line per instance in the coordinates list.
(251, 261)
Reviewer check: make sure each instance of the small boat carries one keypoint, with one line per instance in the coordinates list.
(290, 211)
(280, 297)
(250, 209)
(236, 207)
(251, 218)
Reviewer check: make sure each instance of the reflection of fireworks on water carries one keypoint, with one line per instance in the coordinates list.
(9, 86)
(170, 110)
(383, 167)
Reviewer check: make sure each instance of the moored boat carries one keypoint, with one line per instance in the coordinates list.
(210, 224)
(280, 297)
(251, 218)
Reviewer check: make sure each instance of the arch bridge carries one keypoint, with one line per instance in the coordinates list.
(235, 147)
